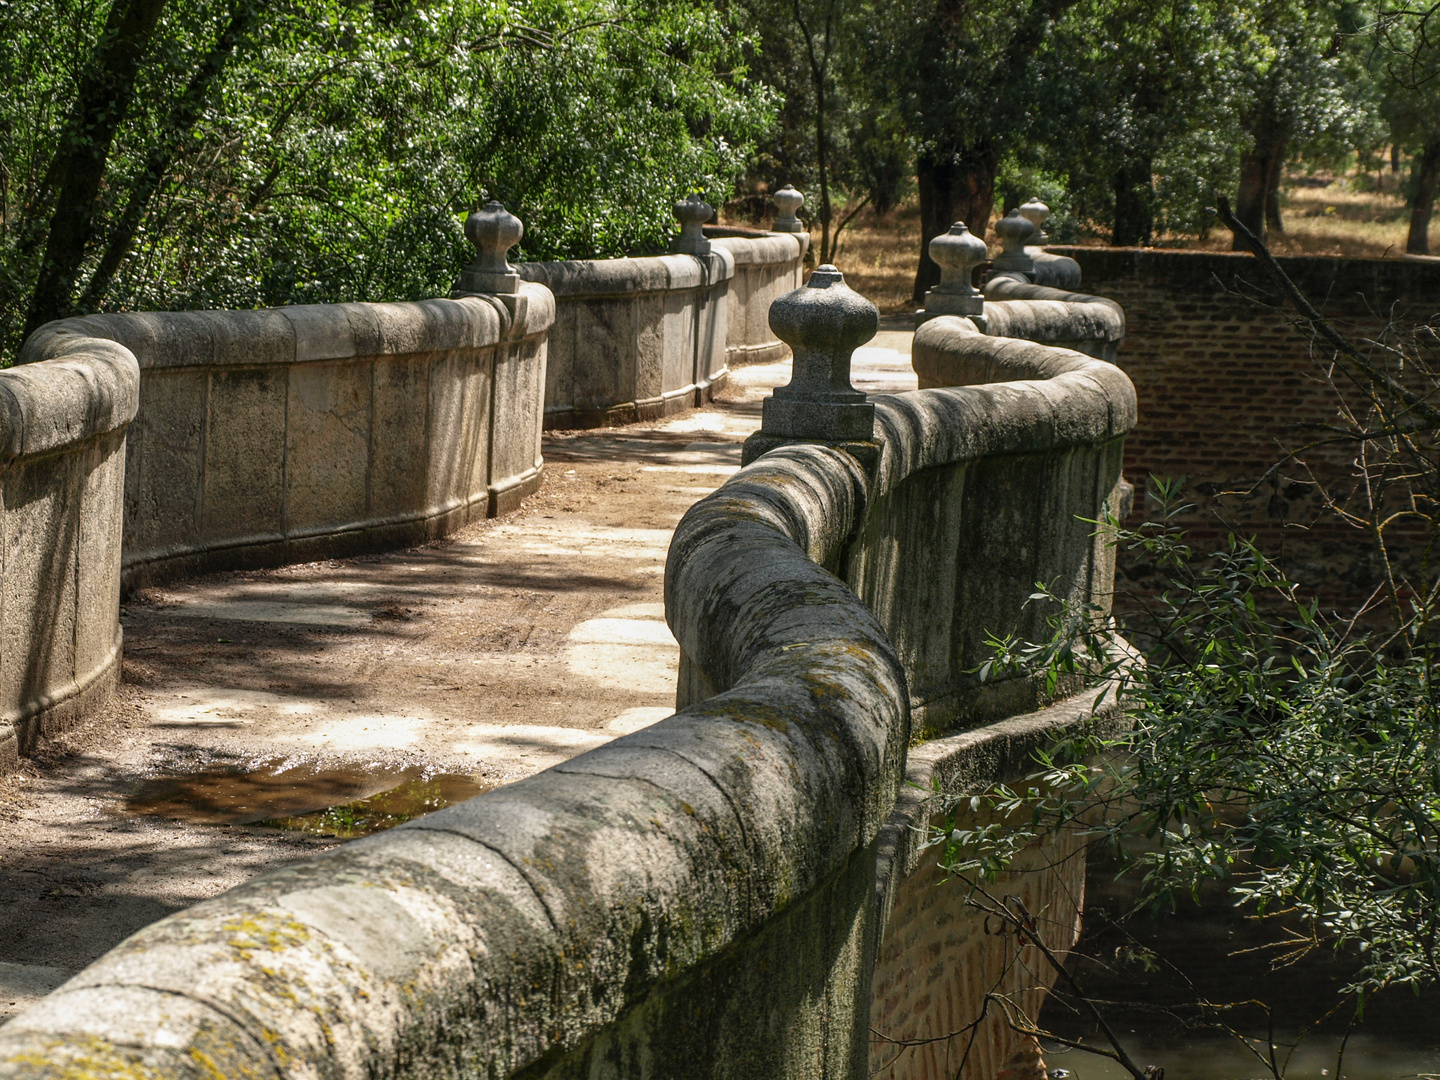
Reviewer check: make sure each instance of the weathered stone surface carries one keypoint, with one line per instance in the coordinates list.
(957, 252)
(706, 896)
(634, 338)
(823, 322)
(519, 925)
(258, 430)
(1015, 232)
(765, 269)
(62, 460)
(494, 231)
(787, 202)
(692, 213)
(1069, 320)
(1054, 271)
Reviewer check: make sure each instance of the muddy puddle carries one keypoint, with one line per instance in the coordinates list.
(339, 801)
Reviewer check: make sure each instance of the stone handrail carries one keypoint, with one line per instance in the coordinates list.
(695, 899)
(1015, 308)
(634, 339)
(62, 473)
(512, 930)
(291, 433)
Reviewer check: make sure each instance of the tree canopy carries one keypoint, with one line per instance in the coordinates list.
(208, 153)
(204, 153)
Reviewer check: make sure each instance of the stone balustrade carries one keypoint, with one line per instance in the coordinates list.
(1020, 303)
(707, 897)
(1015, 308)
(766, 268)
(288, 434)
(634, 339)
(62, 477)
(639, 339)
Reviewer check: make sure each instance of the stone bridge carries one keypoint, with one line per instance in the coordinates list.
(735, 890)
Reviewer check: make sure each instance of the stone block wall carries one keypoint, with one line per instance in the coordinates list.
(1226, 385)
(639, 339)
(287, 434)
(765, 268)
(634, 339)
(62, 474)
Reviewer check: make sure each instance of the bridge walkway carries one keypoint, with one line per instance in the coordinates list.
(430, 673)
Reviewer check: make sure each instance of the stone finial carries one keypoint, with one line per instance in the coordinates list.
(1014, 232)
(494, 231)
(787, 202)
(958, 252)
(824, 322)
(692, 214)
(1037, 213)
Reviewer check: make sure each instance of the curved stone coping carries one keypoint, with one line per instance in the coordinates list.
(765, 269)
(1018, 309)
(84, 388)
(62, 461)
(512, 927)
(305, 332)
(971, 761)
(756, 251)
(575, 278)
(1006, 396)
(287, 434)
(1056, 271)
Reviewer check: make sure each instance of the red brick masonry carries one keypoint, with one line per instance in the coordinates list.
(1224, 383)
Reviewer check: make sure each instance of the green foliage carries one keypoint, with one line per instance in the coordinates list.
(1285, 756)
(335, 157)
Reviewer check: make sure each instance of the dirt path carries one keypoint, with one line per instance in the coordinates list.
(255, 704)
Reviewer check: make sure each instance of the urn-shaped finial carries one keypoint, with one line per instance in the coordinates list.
(692, 214)
(787, 202)
(1037, 213)
(824, 322)
(494, 231)
(957, 252)
(1014, 232)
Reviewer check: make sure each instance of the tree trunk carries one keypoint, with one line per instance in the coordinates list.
(1427, 179)
(1272, 190)
(952, 188)
(1134, 219)
(84, 148)
(177, 126)
(1259, 176)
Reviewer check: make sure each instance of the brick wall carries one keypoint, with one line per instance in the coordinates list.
(1225, 386)
(939, 959)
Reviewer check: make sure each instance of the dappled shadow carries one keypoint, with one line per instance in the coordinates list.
(65, 905)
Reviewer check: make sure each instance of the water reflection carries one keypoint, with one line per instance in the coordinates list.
(344, 801)
(1147, 972)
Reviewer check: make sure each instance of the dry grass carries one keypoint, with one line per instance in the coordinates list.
(1331, 216)
(1322, 214)
(878, 256)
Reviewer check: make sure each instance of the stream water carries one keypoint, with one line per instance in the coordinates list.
(1149, 969)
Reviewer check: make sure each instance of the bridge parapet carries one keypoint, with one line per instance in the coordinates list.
(706, 897)
(282, 434)
(62, 476)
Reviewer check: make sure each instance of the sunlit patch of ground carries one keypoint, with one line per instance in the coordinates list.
(1323, 214)
(1340, 216)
